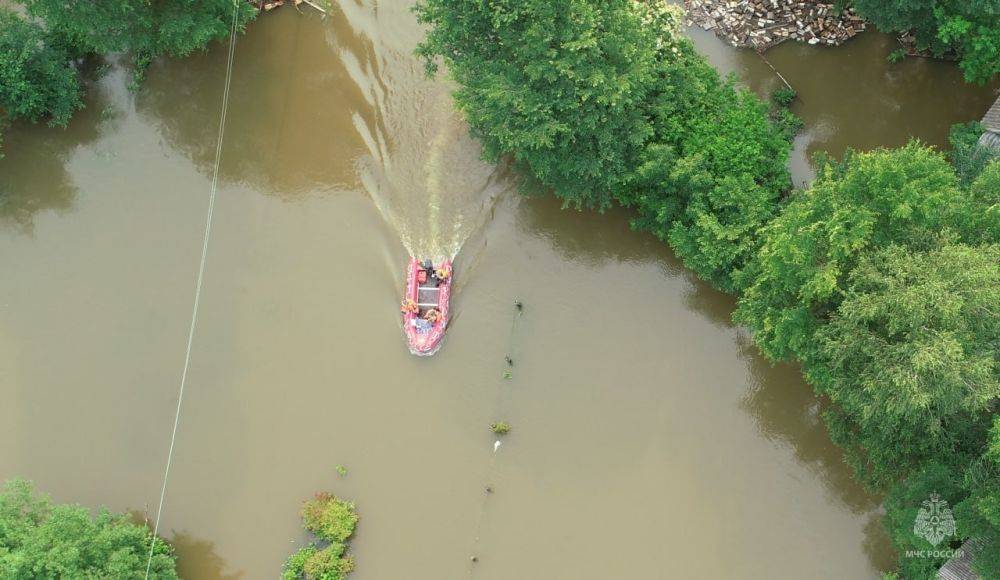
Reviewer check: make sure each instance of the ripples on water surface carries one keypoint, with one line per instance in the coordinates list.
(649, 440)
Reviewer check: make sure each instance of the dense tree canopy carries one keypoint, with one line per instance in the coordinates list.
(968, 28)
(560, 85)
(41, 541)
(901, 196)
(37, 82)
(144, 28)
(909, 357)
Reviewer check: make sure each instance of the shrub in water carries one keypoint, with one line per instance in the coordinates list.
(500, 428)
(332, 520)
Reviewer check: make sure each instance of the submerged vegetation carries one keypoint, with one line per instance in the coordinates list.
(500, 428)
(42, 540)
(332, 521)
(881, 279)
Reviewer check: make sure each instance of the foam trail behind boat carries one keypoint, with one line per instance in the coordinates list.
(423, 170)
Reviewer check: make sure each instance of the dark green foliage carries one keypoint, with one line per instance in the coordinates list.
(968, 157)
(902, 505)
(982, 223)
(41, 541)
(726, 183)
(909, 358)
(36, 80)
(146, 29)
(979, 514)
(969, 29)
(783, 96)
(559, 85)
(332, 520)
(902, 196)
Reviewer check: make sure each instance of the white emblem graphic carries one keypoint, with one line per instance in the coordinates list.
(934, 521)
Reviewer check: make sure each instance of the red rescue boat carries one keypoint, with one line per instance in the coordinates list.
(425, 305)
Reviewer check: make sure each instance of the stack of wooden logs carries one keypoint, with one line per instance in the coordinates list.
(761, 24)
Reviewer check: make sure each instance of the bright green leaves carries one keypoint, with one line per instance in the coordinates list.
(42, 541)
(332, 520)
(909, 356)
(37, 81)
(559, 86)
(901, 196)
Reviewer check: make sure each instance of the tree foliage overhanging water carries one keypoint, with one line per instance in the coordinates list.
(879, 279)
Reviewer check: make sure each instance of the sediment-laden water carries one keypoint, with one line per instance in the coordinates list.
(649, 439)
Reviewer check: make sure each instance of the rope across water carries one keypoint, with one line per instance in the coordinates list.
(198, 285)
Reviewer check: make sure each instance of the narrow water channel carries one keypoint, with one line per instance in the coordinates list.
(649, 439)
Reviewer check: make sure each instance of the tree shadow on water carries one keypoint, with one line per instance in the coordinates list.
(197, 560)
(288, 131)
(591, 237)
(33, 173)
(785, 409)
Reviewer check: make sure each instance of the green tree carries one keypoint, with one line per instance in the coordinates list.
(909, 358)
(36, 80)
(968, 157)
(714, 174)
(559, 85)
(979, 514)
(981, 224)
(903, 503)
(146, 29)
(41, 541)
(871, 200)
(969, 29)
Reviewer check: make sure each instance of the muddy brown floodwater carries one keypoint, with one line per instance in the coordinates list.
(649, 439)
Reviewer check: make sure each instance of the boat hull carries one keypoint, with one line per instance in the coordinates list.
(426, 342)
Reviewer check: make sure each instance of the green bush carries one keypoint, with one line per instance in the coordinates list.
(783, 96)
(329, 517)
(332, 520)
(145, 30)
(40, 540)
(36, 80)
(968, 157)
(500, 428)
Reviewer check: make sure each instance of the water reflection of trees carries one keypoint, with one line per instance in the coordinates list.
(289, 127)
(33, 174)
(591, 237)
(197, 559)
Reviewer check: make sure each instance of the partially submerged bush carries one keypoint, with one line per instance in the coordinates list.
(329, 517)
(500, 428)
(332, 520)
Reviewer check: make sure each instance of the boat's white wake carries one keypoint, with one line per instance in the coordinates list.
(424, 170)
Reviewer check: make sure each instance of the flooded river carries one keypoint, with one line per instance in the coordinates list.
(649, 439)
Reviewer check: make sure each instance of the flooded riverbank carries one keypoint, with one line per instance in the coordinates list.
(649, 439)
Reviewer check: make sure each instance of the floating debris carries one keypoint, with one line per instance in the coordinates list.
(761, 24)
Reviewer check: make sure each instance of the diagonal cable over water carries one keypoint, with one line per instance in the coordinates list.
(198, 284)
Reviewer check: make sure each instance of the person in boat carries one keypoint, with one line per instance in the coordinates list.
(443, 274)
(409, 306)
(432, 315)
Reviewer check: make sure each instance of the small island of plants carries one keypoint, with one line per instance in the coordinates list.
(332, 520)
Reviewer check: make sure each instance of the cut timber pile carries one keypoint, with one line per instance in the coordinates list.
(761, 24)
